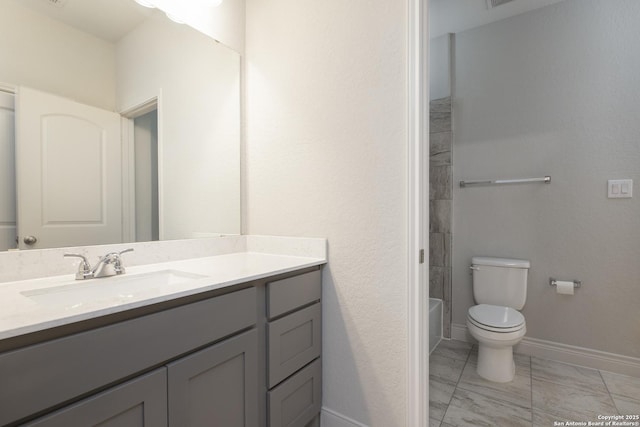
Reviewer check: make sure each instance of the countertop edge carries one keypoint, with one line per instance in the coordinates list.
(296, 263)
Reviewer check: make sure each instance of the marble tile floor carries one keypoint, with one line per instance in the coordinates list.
(543, 392)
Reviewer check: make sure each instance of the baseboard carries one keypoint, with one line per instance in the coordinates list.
(574, 355)
(329, 418)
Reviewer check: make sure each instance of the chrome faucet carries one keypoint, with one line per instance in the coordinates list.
(108, 265)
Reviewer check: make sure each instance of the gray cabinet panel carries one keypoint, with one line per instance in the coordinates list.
(294, 341)
(138, 403)
(287, 295)
(296, 402)
(217, 386)
(47, 374)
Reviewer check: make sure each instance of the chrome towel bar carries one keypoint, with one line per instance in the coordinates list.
(546, 180)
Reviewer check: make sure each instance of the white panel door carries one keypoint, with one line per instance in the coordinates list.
(7, 173)
(68, 168)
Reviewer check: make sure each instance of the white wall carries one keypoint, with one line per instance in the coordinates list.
(44, 54)
(198, 119)
(439, 67)
(326, 156)
(555, 91)
(225, 23)
(453, 16)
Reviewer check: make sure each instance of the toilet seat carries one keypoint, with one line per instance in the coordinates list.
(496, 318)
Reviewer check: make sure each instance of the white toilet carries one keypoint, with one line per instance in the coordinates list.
(500, 290)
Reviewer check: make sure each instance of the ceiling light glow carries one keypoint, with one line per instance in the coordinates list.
(146, 3)
(174, 18)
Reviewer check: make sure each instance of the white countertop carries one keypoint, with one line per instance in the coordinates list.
(20, 314)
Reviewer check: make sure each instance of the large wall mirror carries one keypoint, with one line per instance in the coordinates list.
(117, 124)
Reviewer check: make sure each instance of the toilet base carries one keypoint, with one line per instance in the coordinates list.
(496, 364)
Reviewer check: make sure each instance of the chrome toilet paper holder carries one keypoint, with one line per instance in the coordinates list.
(553, 282)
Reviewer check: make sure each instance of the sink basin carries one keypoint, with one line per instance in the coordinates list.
(117, 289)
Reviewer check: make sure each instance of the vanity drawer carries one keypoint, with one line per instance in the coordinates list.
(294, 341)
(296, 402)
(139, 402)
(44, 375)
(289, 294)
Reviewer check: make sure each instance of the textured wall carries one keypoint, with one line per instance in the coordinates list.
(555, 91)
(326, 156)
(224, 22)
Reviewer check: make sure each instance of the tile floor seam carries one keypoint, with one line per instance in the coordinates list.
(455, 388)
(531, 388)
(608, 391)
(572, 387)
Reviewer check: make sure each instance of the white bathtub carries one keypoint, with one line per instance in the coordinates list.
(435, 323)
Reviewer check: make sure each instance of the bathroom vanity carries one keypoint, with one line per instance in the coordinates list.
(234, 348)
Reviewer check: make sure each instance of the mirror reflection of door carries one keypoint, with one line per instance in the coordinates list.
(145, 203)
(7, 173)
(68, 169)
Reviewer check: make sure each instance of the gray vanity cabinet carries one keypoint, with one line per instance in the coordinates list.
(216, 386)
(296, 402)
(294, 341)
(294, 338)
(141, 402)
(243, 356)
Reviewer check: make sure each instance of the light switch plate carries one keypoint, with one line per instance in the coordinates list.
(620, 188)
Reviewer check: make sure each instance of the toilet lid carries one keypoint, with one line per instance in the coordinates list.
(496, 316)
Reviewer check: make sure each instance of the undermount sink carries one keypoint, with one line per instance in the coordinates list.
(76, 294)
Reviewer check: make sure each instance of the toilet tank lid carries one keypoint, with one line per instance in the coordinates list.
(500, 262)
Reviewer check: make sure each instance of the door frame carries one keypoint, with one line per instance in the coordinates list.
(418, 214)
(9, 89)
(129, 161)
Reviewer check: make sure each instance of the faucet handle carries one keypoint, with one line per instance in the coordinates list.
(119, 268)
(84, 268)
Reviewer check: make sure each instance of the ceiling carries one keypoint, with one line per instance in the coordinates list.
(454, 16)
(109, 20)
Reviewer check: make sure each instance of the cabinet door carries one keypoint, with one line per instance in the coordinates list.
(217, 386)
(141, 402)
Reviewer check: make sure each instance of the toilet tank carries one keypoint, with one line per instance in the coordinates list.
(500, 281)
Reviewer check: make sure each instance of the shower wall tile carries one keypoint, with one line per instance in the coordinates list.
(439, 122)
(440, 159)
(436, 282)
(440, 216)
(446, 312)
(440, 183)
(442, 105)
(440, 195)
(436, 249)
(439, 142)
(440, 148)
(440, 249)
